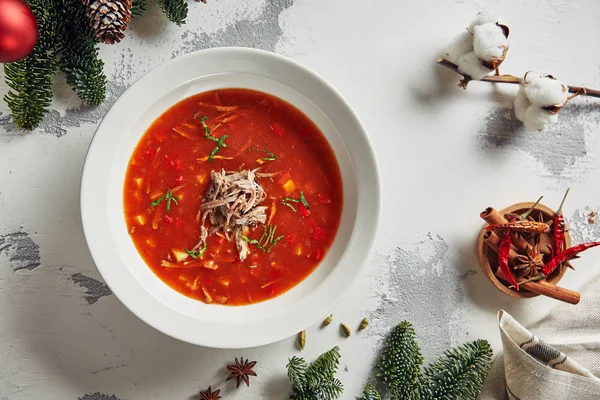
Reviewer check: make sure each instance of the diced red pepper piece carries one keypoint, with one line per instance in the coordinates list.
(319, 233)
(317, 255)
(324, 199)
(178, 223)
(167, 219)
(177, 164)
(275, 274)
(284, 177)
(304, 212)
(179, 179)
(312, 222)
(150, 153)
(291, 238)
(271, 290)
(277, 129)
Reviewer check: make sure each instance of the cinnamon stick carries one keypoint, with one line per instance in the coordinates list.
(493, 217)
(551, 290)
(493, 240)
(548, 289)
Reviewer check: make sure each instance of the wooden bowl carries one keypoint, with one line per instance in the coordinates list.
(488, 258)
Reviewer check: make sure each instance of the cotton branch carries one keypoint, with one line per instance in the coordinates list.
(576, 90)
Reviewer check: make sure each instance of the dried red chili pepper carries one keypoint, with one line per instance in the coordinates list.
(566, 255)
(522, 226)
(558, 230)
(503, 250)
(526, 214)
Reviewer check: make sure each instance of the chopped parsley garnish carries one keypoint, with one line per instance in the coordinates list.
(271, 156)
(267, 241)
(196, 253)
(288, 200)
(285, 203)
(169, 198)
(303, 200)
(220, 141)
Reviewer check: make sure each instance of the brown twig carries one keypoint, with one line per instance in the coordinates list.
(576, 90)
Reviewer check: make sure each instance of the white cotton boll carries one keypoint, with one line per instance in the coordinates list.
(538, 119)
(545, 91)
(460, 45)
(532, 76)
(489, 42)
(484, 17)
(521, 104)
(469, 64)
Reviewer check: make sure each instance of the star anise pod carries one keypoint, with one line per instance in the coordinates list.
(210, 395)
(531, 263)
(241, 371)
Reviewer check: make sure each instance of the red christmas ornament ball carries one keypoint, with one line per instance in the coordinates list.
(18, 30)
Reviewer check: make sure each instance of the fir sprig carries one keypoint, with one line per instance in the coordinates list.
(399, 366)
(459, 374)
(175, 10)
(316, 381)
(370, 393)
(79, 60)
(138, 7)
(30, 79)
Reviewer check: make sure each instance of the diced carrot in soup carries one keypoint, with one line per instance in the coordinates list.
(165, 190)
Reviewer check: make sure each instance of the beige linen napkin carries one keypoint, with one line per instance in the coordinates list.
(557, 358)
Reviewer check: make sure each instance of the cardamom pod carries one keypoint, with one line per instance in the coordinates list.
(302, 339)
(363, 324)
(345, 330)
(328, 320)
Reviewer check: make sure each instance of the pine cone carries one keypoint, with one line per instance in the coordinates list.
(108, 18)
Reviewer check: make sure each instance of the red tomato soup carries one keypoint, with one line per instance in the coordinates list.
(233, 197)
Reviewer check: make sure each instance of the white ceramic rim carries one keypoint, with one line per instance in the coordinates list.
(143, 299)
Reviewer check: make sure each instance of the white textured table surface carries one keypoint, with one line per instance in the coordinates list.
(445, 154)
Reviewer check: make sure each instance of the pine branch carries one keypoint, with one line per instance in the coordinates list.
(370, 393)
(138, 7)
(328, 391)
(316, 381)
(400, 363)
(79, 53)
(324, 368)
(297, 374)
(30, 79)
(175, 10)
(460, 373)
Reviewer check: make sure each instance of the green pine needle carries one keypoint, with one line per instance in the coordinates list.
(30, 79)
(460, 373)
(370, 393)
(330, 390)
(297, 374)
(79, 53)
(400, 363)
(316, 381)
(175, 10)
(138, 7)
(324, 368)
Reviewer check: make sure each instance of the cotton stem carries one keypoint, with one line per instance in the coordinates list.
(576, 90)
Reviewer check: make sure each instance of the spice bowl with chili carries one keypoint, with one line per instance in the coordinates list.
(531, 241)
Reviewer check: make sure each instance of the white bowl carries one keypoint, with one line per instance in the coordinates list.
(115, 255)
